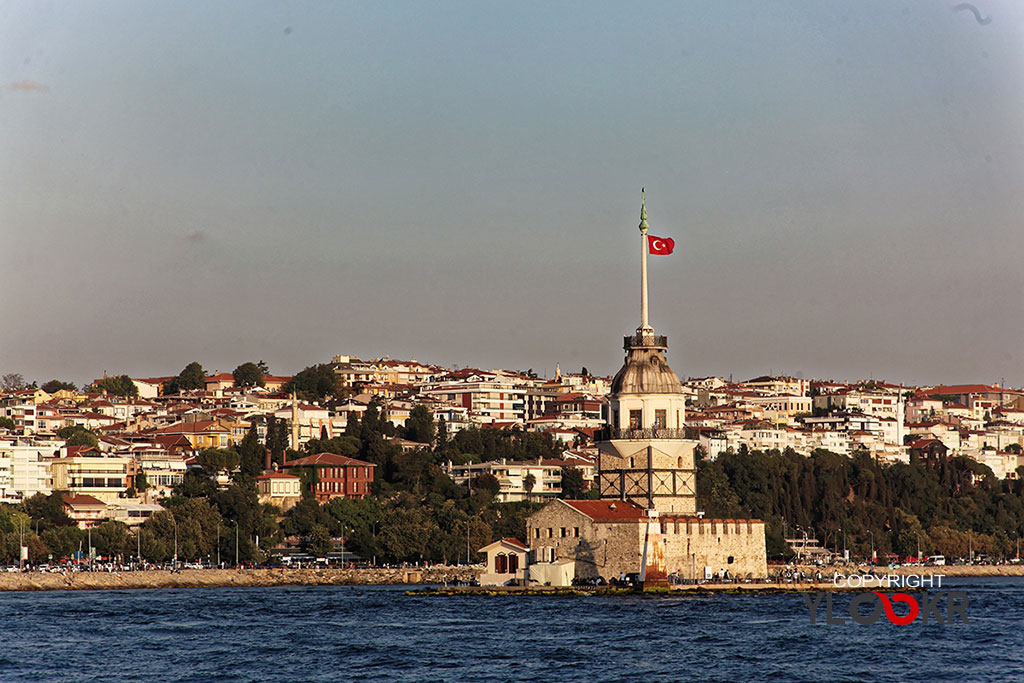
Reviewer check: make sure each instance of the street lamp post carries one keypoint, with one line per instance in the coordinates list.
(236, 543)
(218, 544)
(174, 563)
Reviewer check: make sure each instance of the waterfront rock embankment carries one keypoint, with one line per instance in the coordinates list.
(209, 578)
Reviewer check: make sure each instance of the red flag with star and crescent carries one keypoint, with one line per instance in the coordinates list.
(660, 246)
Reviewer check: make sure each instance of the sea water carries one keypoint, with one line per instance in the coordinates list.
(357, 633)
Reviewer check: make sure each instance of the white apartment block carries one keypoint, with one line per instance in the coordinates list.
(498, 400)
(511, 476)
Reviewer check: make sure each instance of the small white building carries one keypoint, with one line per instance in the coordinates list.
(506, 562)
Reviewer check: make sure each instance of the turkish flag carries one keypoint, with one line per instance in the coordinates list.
(660, 246)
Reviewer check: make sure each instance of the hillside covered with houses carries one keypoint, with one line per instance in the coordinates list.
(406, 461)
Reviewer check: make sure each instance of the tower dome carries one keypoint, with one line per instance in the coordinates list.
(645, 370)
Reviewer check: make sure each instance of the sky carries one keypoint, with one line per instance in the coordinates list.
(459, 183)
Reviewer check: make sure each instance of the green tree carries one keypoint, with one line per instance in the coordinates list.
(55, 385)
(314, 383)
(63, 541)
(47, 509)
(529, 481)
(192, 521)
(141, 481)
(112, 539)
(442, 434)
(194, 484)
(216, 460)
(6, 423)
(251, 452)
(77, 435)
(248, 375)
(12, 381)
(406, 534)
(120, 385)
(353, 426)
(277, 438)
(191, 378)
(419, 426)
(572, 482)
(319, 541)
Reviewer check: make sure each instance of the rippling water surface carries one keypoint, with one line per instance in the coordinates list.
(342, 633)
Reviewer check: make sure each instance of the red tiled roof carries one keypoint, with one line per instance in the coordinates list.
(965, 389)
(332, 459)
(221, 377)
(81, 499)
(607, 510)
(276, 475)
(516, 542)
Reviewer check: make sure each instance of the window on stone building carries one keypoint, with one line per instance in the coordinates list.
(576, 532)
(564, 534)
(659, 419)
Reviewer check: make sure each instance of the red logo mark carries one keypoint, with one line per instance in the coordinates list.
(890, 613)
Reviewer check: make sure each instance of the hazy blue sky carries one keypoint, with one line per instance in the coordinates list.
(460, 183)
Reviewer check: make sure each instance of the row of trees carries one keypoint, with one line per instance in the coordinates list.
(947, 505)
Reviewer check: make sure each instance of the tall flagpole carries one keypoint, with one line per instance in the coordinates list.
(645, 326)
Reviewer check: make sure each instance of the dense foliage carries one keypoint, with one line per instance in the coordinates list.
(948, 505)
(120, 385)
(416, 511)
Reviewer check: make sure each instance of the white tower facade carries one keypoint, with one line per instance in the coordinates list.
(644, 455)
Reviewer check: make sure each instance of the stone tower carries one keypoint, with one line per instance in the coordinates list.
(644, 455)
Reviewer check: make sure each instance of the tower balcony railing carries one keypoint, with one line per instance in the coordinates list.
(639, 434)
(640, 340)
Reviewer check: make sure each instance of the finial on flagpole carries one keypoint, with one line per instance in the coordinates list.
(643, 211)
(645, 327)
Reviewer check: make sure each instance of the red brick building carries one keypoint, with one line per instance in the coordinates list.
(337, 476)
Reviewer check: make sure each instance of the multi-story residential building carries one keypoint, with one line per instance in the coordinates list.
(29, 465)
(781, 409)
(488, 401)
(948, 434)
(335, 476)
(280, 489)
(777, 386)
(874, 403)
(203, 434)
(7, 493)
(24, 415)
(84, 510)
(512, 478)
(85, 470)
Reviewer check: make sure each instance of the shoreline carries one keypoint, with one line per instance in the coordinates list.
(221, 578)
(436, 575)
